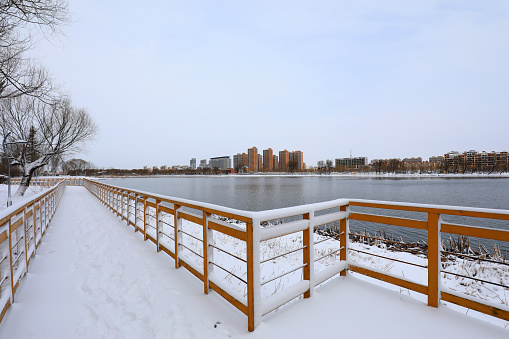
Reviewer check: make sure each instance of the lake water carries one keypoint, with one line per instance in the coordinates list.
(268, 192)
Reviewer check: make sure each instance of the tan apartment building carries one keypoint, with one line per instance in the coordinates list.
(298, 157)
(284, 158)
(240, 160)
(275, 163)
(252, 159)
(267, 160)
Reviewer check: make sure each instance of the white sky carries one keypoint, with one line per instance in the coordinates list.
(170, 80)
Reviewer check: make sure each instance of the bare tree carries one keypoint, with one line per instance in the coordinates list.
(394, 165)
(78, 166)
(377, 165)
(239, 168)
(60, 129)
(292, 166)
(321, 166)
(18, 20)
(329, 165)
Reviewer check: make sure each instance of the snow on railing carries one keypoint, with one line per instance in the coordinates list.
(258, 261)
(22, 226)
(50, 181)
(42, 181)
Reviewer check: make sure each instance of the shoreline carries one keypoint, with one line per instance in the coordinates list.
(332, 175)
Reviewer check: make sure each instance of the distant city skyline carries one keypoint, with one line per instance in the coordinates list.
(337, 161)
(393, 79)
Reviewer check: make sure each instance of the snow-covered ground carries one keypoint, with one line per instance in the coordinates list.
(93, 277)
(31, 191)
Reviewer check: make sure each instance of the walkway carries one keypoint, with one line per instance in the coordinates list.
(93, 277)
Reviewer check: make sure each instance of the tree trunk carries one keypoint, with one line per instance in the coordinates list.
(25, 182)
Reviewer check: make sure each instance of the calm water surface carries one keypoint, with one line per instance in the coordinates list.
(261, 193)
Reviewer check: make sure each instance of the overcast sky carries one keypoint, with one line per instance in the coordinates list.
(170, 80)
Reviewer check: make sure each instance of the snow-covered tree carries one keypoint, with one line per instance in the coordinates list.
(51, 130)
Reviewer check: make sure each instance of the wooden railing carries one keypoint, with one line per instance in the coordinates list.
(194, 235)
(22, 226)
(40, 181)
(434, 227)
(44, 181)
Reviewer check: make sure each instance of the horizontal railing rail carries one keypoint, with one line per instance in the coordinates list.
(196, 234)
(434, 227)
(22, 227)
(49, 181)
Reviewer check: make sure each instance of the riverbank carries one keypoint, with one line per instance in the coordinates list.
(349, 175)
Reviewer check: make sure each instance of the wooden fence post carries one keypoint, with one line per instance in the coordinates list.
(158, 202)
(433, 259)
(343, 238)
(35, 226)
(9, 234)
(177, 223)
(128, 214)
(207, 238)
(26, 242)
(136, 213)
(250, 276)
(122, 204)
(115, 201)
(306, 242)
(43, 216)
(144, 218)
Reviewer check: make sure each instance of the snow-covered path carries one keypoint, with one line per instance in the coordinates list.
(93, 277)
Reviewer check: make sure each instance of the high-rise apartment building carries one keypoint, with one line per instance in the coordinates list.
(298, 158)
(192, 163)
(284, 158)
(268, 160)
(240, 161)
(252, 159)
(203, 163)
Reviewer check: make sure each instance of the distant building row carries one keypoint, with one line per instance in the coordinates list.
(455, 161)
(476, 159)
(252, 161)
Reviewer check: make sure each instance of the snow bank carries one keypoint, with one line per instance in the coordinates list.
(29, 194)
